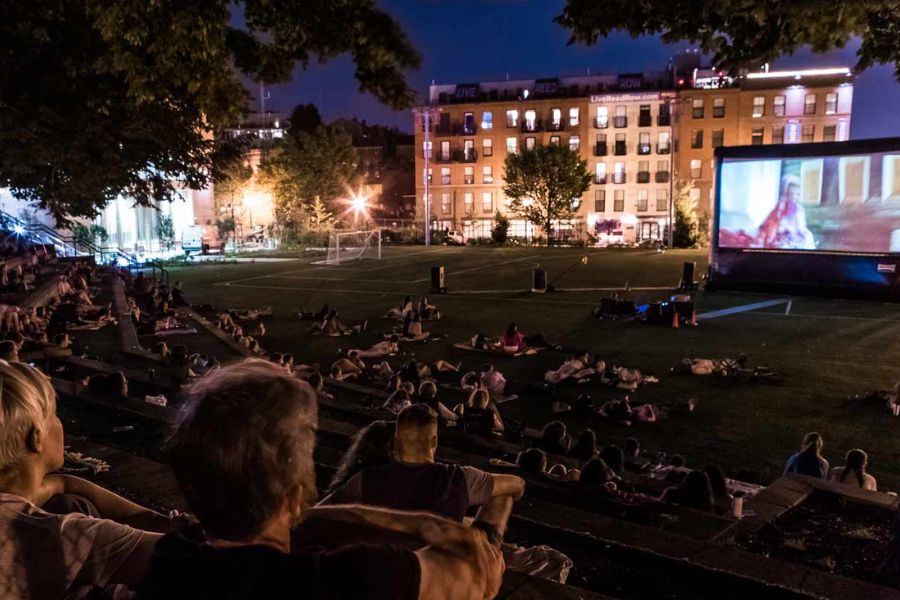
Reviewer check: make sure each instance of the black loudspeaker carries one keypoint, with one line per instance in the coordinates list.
(437, 280)
(654, 313)
(687, 276)
(539, 281)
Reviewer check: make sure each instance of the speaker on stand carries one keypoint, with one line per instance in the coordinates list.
(539, 281)
(437, 280)
(687, 276)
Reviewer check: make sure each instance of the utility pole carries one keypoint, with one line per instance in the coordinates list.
(425, 113)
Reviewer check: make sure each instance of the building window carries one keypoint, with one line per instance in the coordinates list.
(697, 108)
(664, 119)
(620, 149)
(445, 175)
(756, 136)
(619, 200)
(469, 175)
(487, 202)
(809, 104)
(468, 123)
(621, 119)
(662, 200)
(778, 106)
(759, 106)
(555, 118)
(445, 203)
(792, 132)
(574, 116)
(600, 145)
(487, 120)
(809, 134)
(530, 120)
(696, 138)
(619, 172)
(429, 175)
(554, 140)
(696, 168)
(600, 201)
(487, 174)
(644, 118)
(426, 149)
(662, 171)
(511, 144)
(602, 121)
(831, 103)
(445, 150)
(642, 197)
(829, 133)
(718, 138)
(778, 135)
(718, 108)
(600, 173)
(487, 147)
(469, 202)
(574, 143)
(529, 143)
(512, 118)
(644, 143)
(662, 143)
(643, 175)
(469, 150)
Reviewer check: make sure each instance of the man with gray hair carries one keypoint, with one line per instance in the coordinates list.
(243, 457)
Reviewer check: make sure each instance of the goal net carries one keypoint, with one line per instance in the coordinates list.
(353, 245)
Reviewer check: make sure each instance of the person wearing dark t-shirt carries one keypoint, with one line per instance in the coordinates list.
(248, 435)
(415, 482)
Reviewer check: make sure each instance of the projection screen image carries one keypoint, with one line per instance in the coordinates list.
(830, 204)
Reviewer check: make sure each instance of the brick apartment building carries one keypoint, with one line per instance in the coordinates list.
(639, 133)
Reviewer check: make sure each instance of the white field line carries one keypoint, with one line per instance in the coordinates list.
(714, 314)
(482, 267)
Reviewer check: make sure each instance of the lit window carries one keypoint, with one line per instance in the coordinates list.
(621, 119)
(829, 133)
(619, 200)
(718, 108)
(511, 144)
(619, 172)
(574, 143)
(696, 138)
(642, 197)
(778, 135)
(469, 123)
(487, 174)
(759, 106)
(696, 168)
(529, 143)
(469, 201)
(778, 106)
(469, 175)
(831, 100)
(487, 147)
(487, 120)
(469, 150)
(809, 134)
(600, 173)
(487, 202)
(512, 118)
(718, 138)
(809, 104)
(426, 149)
(555, 117)
(644, 143)
(602, 117)
(429, 175)
(662, 200)
(445, 150)
(756, 136)
(792, 132)
(445, 204)
(697, 108)
(662, 143)
(530, 120)
(574, 116)
(554, 140)
(445, 175)
(599, 200)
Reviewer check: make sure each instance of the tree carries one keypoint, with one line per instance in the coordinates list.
(747, 33)
(320, 219)
(319, 165)
(501, 228)
(102, 98)
(165, 231)
(90, 234)
(685, 231)
(546, 184)
(305, 118)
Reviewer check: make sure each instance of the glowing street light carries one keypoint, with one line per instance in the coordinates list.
(19, 229)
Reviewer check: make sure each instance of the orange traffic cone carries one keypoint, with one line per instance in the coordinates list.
(694, 318)
(675, 324)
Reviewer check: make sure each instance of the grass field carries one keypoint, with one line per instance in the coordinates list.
(824, 350)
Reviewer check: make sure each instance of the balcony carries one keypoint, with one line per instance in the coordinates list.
(442, 157)
(663, 148)
(465, 156)
(643, 177)
(662, 177)
(600, 149)
(557, 126)
(465, 129)
(645, 120)
(620, 122)
(620, 149)
(643, 149)
(664, 120)
(443, 129)
(531, 126)
(600, 179)
(619, 178)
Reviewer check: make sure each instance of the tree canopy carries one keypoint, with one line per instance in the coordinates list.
(545, 184)
(101, 98)
(747, 33)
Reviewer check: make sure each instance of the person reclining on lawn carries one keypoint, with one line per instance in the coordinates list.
(578, 367)
(621, 411)
(334, 327)
(412, 328)
(248, 435)
(54, 555)
(493, 381)
(414, 481)
(428, 311)
(383, 348)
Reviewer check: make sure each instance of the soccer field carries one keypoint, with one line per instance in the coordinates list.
(824, 350)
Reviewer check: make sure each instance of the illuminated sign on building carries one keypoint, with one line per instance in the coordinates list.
(648, 97)
(467, 92)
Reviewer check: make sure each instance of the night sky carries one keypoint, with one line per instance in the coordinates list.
(482, 40)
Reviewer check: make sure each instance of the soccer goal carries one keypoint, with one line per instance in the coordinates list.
(353, 245)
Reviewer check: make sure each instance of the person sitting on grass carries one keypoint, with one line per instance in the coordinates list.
(554, 439)
(585, 447)
(400, 312)
(428, 311)
(414, 481)
(477, 415)
(47, 555)
(512, 340)
(854, 471)
(532, 461)
(397, 401)
(428, 396)
(694, 491)
(597, 475)
(338, 375)
(809, 461)
(412, 328)
(371, 446)
(248, 435)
